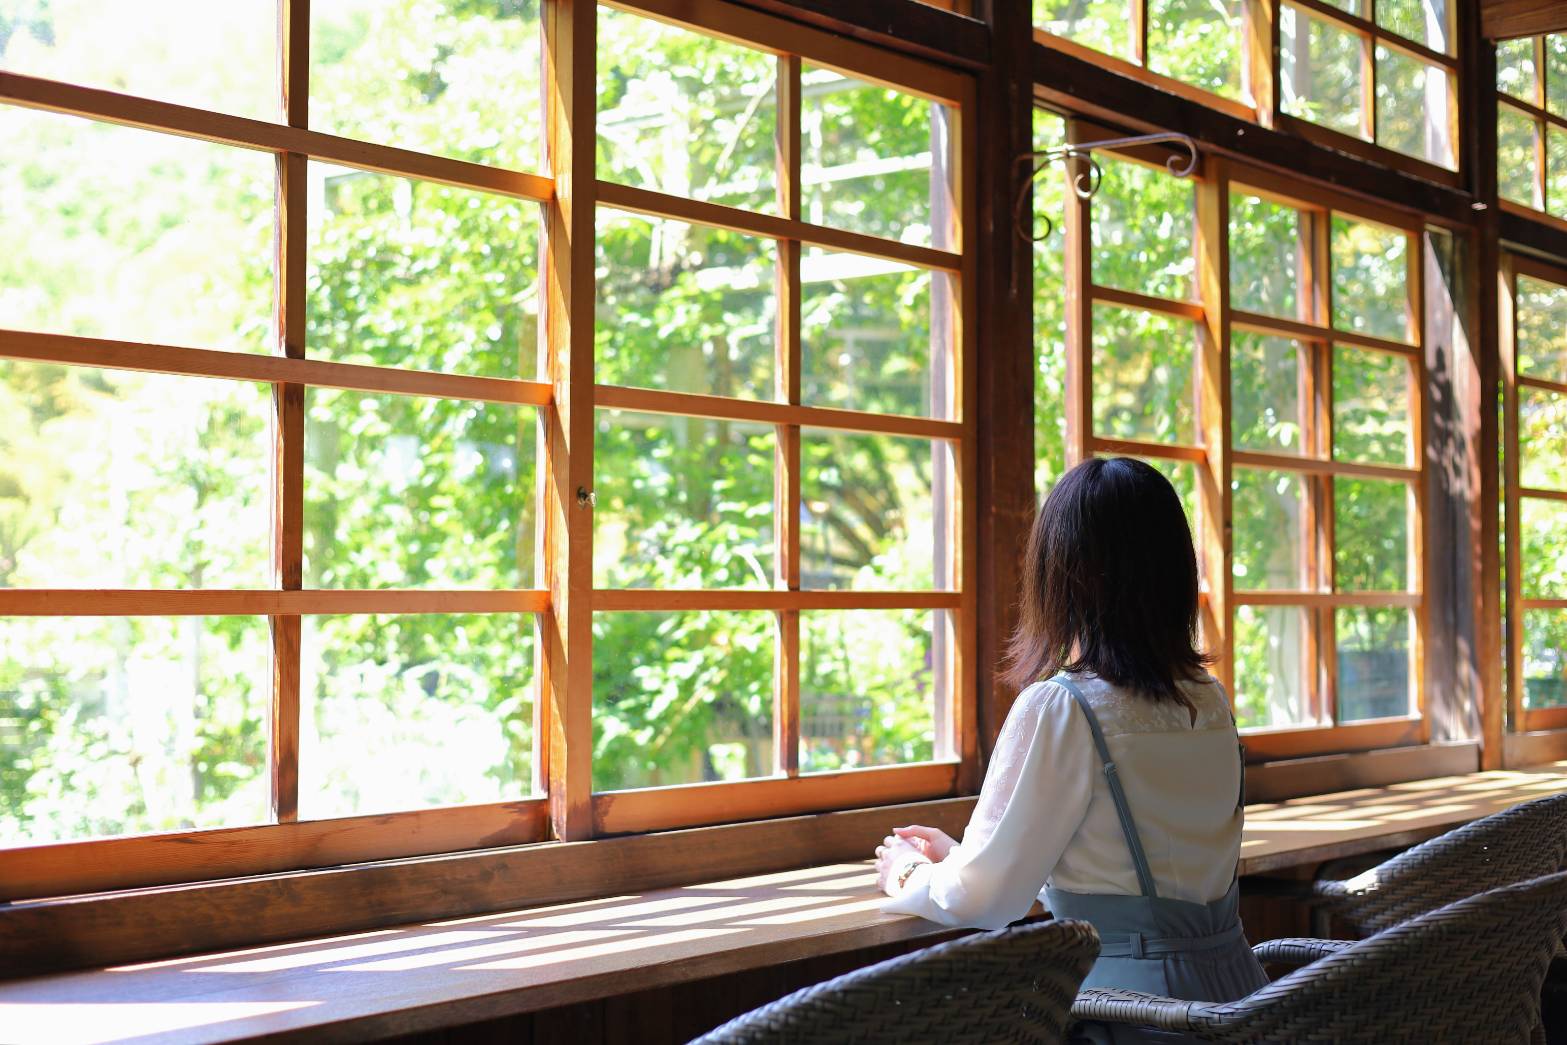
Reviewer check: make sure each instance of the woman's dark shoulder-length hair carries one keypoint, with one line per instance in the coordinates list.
(1110, 583)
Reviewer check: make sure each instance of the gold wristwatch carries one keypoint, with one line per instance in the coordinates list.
(908, 869)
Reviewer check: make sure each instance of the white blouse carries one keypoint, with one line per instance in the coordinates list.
(1045, 814)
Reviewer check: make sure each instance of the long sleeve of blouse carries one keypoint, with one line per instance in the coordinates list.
(1035, 797)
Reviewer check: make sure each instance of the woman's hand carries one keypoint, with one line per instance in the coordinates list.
(892, 856)
(933, 842)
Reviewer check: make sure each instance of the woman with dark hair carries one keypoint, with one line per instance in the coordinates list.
(1114, 793)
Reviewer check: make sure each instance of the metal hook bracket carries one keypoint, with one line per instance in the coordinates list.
(1086, 182)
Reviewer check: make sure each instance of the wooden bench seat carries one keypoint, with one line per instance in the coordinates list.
(436, 974)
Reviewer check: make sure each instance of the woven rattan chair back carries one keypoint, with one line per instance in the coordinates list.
(1468, 972)
(1010, 985)
(1524, 842)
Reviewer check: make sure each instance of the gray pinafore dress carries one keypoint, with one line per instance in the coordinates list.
(1175, 948)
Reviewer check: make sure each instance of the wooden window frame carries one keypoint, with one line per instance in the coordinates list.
(565, 402)
(1542, 119)
(1262, 74)
(1521, 719)
(1216, 457)
(1371, 36)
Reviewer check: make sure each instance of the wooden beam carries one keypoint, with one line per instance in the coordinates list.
(787, 388)
(665, 600)
(1004, 430)
(911, 26)
(1508, 19)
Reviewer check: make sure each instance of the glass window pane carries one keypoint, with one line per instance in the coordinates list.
(125, 725)
(1104, 25)
(682, 698)
(409, 712)
(686, 114)
(115, 479)
(1544, 659)
(1198, 42)
(1371, 534)
(687, 308)
(1414, 108)
(1542, 438)
(1267, 243)
(869, 519)
(868, 687)
(865, 328)
(408, 492)
(1266, 376)
(865, 162)
(1370, 406)
(1049, 311)
(164, 50)
(1370, 279)
(1269, 515)
(1322, 71)
(447, 77)
(1374, 676)
(414, 274)
(1517, 165)
(1556, 171)
(1556, 73)
(1515, 71)
(1272, 678)
(683, 502)
(1542, 329)
(1143, 229)
(1145, 370)
(1543, 526)
(126, 234)
(1425, 22)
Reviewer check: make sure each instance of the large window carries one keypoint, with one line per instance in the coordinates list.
(361, 493)
(1534, 366)
(1311, 557)
(1531, 123)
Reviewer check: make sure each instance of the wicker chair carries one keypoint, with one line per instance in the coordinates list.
(1008, 985)
(1468, 972)
(1523, 842)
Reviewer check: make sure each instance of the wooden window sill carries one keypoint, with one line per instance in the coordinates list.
(447, 972)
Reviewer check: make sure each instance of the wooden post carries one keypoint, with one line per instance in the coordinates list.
(288, 410)
(566, 646)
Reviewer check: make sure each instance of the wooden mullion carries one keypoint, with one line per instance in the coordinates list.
(675, 600)
(1213, 272)
(566, 661)
(788, 363)
(963, 397)
(689, 404)
(1324, 622)
(1079, 307)
(1419, 500)
(288, 405)
(75, 350)
(1139, 16)
(265, 135)
(1512, 542)
(1368, 84)
(267, 602)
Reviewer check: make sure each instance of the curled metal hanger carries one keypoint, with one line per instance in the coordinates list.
(1086, 182)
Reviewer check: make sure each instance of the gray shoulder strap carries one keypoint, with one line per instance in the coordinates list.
(1117, 793)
